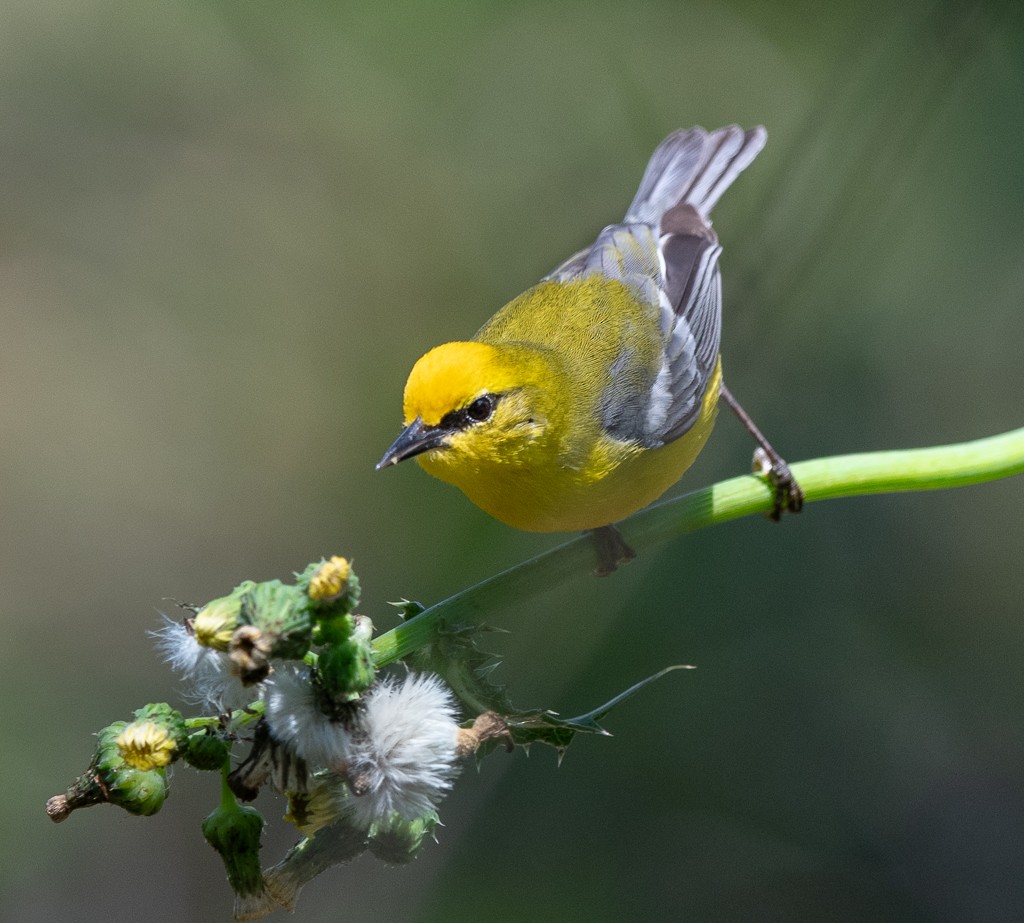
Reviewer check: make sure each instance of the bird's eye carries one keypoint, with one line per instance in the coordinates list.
(481, 408)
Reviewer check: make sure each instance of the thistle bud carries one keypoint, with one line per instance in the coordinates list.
(138, 791)
(279, 612)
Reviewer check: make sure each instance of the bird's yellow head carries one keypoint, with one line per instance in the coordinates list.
(471, 406)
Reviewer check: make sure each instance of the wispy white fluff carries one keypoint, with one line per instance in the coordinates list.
(296, 722)
(177, 647)
(220, 688)
(209, 678)
(404, 756)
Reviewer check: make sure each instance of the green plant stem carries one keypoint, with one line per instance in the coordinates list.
(930, 468)
(228, 801)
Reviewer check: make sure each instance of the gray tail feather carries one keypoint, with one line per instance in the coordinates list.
(696, 167)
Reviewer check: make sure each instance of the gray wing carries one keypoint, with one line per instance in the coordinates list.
(689, 254)
(667, 253)
(677, 274)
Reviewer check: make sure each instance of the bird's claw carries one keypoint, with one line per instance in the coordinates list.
(612, 550)
(788, 493)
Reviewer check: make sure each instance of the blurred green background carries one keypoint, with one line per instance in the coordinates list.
(227, 230)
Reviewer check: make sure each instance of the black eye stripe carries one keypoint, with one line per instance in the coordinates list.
(476, 411)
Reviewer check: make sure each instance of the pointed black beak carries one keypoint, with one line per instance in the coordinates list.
(417, 437)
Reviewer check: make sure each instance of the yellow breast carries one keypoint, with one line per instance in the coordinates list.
(543, 494)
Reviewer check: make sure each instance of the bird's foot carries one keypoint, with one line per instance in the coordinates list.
(788, 493)
(611, 549)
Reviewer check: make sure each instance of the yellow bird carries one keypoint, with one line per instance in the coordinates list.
(588, 396)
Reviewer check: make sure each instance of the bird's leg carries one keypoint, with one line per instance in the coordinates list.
(611, 549)
(769, 463)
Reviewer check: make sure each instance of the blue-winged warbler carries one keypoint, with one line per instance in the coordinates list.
(586, 397)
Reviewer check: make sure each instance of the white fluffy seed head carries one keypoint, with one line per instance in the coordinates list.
(296, 721)
(403, 758)
(397, 750)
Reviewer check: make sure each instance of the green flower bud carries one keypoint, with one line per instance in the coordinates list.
(344, 669)
(110, 779)
(279, 612)
(235, 831)
(397, 840)
(161, 712)
(205, 749)
(139, 791)
(216, 622)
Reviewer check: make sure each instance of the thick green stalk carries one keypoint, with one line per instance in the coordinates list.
(931, 468)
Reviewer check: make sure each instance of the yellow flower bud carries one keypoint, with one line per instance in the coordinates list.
(216, 622)
(146, 745)
(330, 580)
